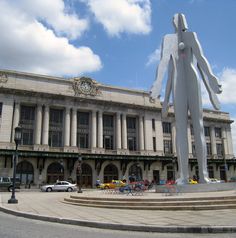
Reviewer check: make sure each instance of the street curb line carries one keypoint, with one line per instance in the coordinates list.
(125, 227)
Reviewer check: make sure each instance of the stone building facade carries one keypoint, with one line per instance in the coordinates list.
(118, 132)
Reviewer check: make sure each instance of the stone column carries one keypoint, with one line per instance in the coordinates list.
(141, 136)
(145, 134)
(124, 132)
(224, 142)
(38, 128)
(16, 119)
(74, 127)
(118, 131)
(94, 129)
(100, 129)
(45, 125)
(67, 127)
(213, 140)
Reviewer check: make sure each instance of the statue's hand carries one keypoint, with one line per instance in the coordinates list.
(214, 84)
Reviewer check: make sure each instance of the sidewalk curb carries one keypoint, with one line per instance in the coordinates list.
(125, 227)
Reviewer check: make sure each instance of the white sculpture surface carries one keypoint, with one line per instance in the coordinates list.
(178, 52)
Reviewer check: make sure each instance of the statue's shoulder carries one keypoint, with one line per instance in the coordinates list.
(170, 40)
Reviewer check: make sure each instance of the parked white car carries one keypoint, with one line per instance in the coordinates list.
(213, 180)
(59, 186)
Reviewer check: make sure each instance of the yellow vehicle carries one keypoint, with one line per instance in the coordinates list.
(113, 184)
(191, 181)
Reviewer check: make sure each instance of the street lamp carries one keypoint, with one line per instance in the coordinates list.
(17, 139)
(80, 173)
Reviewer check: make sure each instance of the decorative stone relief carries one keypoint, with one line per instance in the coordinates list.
(85, 86)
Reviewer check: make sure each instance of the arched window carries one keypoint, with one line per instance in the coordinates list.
(87, 175)
(170, 172)
(135, 173)
(25, 172)
(211, 171)
(110, 173)
(55, 172)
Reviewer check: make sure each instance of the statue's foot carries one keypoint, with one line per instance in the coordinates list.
(182, 181)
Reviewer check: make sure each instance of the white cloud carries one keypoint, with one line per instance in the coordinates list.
(129, 16)
(227, 78)
(28, 45)
(228, 81)
(55, 14)
(154, 57)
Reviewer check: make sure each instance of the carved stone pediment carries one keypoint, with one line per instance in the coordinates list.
(85, 86)
(3, 78)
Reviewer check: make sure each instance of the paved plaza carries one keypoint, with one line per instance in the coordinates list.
(50, 207)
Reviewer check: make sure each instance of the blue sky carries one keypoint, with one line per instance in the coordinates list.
(115, 42)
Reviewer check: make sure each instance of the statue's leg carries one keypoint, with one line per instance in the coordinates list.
(181, 118)
(195, 107)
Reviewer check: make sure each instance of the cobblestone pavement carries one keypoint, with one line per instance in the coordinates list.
(50, 205)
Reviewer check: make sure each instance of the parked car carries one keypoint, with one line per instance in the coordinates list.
(59, 186)
(214, 180)
(113, 184)
(232, 179)
(6, 183)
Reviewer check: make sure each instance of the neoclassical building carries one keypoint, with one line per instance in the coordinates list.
(118, 132)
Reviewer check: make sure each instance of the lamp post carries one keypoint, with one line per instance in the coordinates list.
(80, 173)
(17, 139)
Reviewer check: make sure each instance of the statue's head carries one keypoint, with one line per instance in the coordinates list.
(179, 22)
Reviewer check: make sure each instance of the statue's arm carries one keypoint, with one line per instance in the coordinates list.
(203, 64)
(213, 97)
(161, 69)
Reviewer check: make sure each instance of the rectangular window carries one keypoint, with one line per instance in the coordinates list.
(55, 127)
(27, 113)
(108, 132)
(108, 142)
(108, 121)
(208, 147)
(56, 116)
(83, 118)
(219, 149)
(207, 131)
(83, 130)
(131, 122)
(27, 121)
(166, 126)
(218, 132)
(132, 143)
(153, 124)
(167, 146)
(82, 140)
(154, 144)
(27, 136)
(55, 138)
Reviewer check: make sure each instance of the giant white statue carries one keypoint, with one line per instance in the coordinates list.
(178, 52)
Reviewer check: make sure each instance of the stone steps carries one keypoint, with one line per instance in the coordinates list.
(201, 203)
